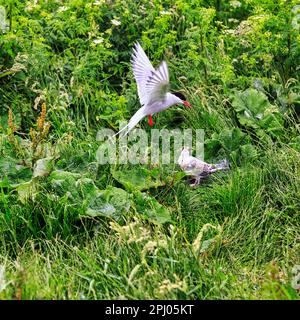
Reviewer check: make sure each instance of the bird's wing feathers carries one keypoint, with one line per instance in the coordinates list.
(152, 84)
(142, 70)
(194, 166)
(157, 84)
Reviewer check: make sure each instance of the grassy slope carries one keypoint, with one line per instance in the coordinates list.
(246, 222)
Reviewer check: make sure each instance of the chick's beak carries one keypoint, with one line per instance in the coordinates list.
(187, 104)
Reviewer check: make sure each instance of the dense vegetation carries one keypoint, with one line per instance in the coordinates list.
(65, 73)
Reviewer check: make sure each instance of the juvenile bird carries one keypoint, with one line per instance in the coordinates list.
(197, 168)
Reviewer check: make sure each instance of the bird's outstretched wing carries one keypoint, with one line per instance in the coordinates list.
(152, 84)
(157, 84)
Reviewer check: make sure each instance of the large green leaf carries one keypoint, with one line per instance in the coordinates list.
(65, 182)
(77, 188)
(86, 188)
(151, 208)
(12, 172)
(111, 202)
(138, 178)
(231, 143)
(254, 110)
(43, 167)
(248, 152)
(81, 191)
(232, 139)
(27, 189)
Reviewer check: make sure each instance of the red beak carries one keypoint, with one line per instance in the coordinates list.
(187, 104)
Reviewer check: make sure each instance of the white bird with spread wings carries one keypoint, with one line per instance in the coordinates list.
(153, 86)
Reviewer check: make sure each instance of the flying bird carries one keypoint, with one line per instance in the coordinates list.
(197, 168)
(153, 89)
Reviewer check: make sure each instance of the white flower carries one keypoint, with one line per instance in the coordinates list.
(247, 114)
(99, 40)
(295, 24)
(296, 9)
(165, 12)
(98, 3)
(31, 5)
(115, 22)
(235, 4)
(62, 9)
(296, 19)
(229, 31)
(3, 282)
(4, 25)
(233, 20)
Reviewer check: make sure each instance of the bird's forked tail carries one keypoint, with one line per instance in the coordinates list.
(135, 119)
(223, 165)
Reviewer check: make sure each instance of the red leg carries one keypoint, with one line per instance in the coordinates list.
(150, 121)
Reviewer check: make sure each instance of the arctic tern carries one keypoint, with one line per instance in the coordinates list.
(153, 89)
(197, 168)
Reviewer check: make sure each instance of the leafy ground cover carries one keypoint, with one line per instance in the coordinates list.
(73, 229)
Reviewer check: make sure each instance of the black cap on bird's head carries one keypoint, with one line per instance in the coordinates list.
(182, 97)
(179, 95)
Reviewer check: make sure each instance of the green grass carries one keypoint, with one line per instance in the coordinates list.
(236, 236)
(48, 255)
